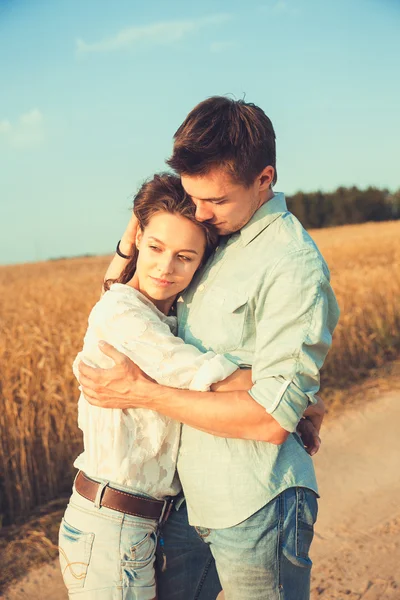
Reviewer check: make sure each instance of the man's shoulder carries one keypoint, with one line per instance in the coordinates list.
(287, 238)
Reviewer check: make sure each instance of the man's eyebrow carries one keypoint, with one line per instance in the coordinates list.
(212, 199)
(151, 237)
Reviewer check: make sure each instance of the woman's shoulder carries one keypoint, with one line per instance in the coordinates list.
(122, 298)
(121, 308)
(123, 301)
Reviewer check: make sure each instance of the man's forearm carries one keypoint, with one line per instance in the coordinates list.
(225, 414)
(233, 414)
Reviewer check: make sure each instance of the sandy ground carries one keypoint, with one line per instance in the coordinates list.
(356, 551)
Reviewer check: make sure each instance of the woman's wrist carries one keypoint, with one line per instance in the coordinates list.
(126, 245)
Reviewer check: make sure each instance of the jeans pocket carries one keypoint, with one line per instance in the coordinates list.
(75, 548)
(137, 564)
(306, 515)
(142, 551)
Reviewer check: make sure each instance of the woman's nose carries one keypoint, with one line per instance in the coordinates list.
(166, 265)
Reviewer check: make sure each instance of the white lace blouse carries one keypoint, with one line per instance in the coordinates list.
(138, 448)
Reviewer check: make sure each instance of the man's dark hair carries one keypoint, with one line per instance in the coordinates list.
(219, 131)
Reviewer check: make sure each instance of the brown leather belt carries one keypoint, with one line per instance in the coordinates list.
(124, 502)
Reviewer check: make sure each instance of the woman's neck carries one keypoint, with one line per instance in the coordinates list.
(163, 305)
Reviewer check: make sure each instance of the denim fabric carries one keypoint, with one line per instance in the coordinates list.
(266, 556)
(265, 301)
(106, 555)
(190, 572)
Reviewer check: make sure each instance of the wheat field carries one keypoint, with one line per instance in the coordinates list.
(44, 309)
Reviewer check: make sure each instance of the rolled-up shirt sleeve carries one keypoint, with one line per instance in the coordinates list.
(295, 317)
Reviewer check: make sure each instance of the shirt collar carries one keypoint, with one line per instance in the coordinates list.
(264, 216)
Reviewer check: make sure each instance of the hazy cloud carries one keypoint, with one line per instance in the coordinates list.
(280, 7)
(5, 126)
(165, 32)
(284, 7)
(222, 46)
(26, 131)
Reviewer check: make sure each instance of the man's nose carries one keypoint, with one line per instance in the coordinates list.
(204, 211)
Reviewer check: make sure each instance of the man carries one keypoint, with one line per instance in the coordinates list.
(265, 300)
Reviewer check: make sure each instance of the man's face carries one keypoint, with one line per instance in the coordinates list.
(221, 201)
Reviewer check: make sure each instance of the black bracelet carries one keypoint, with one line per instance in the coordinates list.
(118, 251)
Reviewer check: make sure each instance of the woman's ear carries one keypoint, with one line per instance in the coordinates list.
(139, 235)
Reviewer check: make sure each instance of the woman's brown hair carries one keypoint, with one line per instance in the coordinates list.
(163, 193)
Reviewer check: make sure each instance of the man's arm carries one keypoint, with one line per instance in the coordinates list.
(296, 314)
(235, 414)
(231, 414)
(254, 424)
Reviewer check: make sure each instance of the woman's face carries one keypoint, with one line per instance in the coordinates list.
(170, 250)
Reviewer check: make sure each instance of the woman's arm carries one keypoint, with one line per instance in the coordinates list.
(129, 325)
(128, 241)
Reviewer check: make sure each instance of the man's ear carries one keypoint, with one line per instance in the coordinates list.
(139, 235)
(266, 178)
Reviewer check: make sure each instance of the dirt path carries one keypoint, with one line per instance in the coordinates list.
(357, 547)
(356, 551)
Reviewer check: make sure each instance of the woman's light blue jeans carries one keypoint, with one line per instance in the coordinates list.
(106, 555)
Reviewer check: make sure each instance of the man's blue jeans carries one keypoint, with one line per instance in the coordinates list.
(263, 558)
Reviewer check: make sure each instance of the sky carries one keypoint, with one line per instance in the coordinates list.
(92, 92)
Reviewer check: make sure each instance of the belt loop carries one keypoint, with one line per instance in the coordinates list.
(164, 510)
(99, 494)
(168, 504)
(75, 478)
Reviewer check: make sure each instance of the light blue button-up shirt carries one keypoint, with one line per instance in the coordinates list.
(265, 301)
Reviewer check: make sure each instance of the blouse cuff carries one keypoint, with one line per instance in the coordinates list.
(211, 371)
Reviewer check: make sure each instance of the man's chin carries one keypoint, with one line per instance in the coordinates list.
(226, 230)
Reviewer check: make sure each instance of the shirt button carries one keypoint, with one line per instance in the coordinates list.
(201, 287)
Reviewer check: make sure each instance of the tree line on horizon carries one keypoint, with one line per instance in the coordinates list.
(344, 206)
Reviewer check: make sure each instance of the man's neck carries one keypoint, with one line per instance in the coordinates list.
(265, 196)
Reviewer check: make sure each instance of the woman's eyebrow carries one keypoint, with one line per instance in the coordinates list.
(151, 237)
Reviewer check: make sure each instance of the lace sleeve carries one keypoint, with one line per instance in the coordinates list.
(148, 341)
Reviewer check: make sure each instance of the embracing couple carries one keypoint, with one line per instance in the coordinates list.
(198, 375)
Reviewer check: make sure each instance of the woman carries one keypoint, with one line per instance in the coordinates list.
(128, 465)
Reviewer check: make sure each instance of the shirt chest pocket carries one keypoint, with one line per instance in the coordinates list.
(219, 322)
